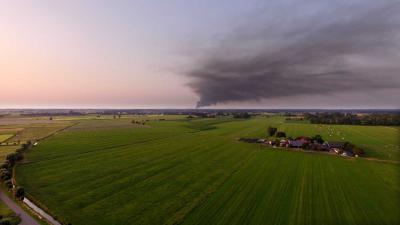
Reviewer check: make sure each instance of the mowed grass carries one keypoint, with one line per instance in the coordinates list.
(129, 175)
(196, 172)
(279, 187)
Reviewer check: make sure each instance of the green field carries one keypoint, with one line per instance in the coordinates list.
(196, 172)
(4, 137)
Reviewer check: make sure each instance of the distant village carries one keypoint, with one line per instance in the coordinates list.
(278, 139)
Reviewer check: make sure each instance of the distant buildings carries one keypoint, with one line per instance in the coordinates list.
(310, 144)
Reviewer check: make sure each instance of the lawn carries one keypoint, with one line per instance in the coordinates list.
(196, 172)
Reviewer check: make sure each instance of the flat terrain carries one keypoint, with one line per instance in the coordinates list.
(172, 171)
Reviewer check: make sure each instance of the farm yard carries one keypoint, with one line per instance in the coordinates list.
(174, 170)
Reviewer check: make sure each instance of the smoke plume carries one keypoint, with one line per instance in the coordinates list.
(312, 49)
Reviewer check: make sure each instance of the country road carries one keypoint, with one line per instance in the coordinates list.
(26, 219)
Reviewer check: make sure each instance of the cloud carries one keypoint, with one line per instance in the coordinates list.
(309, 50)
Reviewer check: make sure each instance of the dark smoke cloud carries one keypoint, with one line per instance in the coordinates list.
(311, 50)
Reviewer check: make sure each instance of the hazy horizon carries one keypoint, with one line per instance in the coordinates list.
(178, 54)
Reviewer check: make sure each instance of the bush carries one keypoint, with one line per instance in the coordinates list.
(318, 139)
(8, 183)
(5, 174)
(5, 222)
(5, 165)
(19, 192)
(280, 134)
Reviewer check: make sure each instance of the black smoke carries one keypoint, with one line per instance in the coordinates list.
(331, 48)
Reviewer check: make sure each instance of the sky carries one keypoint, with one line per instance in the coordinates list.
(187, 53)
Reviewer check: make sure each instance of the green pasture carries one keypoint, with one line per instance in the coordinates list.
(280, 187)
(180, 171)
(4, 137)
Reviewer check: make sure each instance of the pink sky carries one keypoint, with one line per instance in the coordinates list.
(126, 54)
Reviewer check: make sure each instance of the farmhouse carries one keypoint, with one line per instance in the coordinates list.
(304, 139)
(337, 145)
(284, 143)
(295, 144)
(347, 153)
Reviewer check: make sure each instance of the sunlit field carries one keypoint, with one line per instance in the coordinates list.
(172, 170)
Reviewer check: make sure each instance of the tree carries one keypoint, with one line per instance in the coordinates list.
(12, 158)
(19, 192)
(280, 134)
(318, 139)
(271, 131)
(245, 115)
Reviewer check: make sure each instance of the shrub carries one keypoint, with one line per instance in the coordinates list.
(5, 165)
(12, 158)
(5, 222)
(318, 139)
(8, 184)
(280, 134)
(5, 174)
(19, 192)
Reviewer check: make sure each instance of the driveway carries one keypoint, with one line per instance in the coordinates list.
(26, 219)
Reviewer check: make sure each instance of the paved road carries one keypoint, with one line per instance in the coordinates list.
(26, 219)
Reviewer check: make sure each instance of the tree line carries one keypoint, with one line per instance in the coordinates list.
(6, 170)
(354, 119)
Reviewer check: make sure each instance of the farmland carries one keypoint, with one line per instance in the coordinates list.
(180, 171)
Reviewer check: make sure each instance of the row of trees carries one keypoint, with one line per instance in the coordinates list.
(353, 119)
(7, 167)
(244, 115)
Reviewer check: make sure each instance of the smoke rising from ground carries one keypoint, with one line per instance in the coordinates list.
(312, 49)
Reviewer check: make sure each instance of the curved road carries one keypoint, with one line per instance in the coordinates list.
(26, 219)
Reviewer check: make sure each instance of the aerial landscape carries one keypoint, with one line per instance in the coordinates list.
(200, 112)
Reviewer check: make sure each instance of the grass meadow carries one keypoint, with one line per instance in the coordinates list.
(179, 171)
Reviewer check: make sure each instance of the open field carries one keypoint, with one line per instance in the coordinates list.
(196, 172)
(4, 137)
(295, 188)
